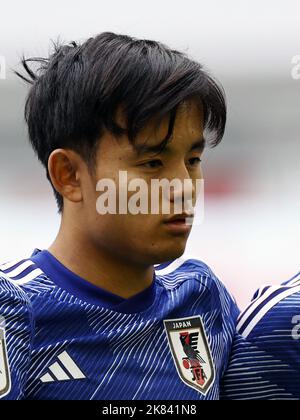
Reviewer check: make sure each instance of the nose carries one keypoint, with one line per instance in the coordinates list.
(183, 191)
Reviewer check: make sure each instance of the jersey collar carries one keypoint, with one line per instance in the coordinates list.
(88, 292)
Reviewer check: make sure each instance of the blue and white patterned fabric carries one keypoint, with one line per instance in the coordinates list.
(265, 363)
(64, 338)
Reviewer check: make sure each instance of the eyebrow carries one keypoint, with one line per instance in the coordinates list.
(198, 145)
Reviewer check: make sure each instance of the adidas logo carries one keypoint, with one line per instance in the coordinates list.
(65, 369)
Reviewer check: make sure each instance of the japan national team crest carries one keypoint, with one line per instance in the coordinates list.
(4, 368)
(191, 352)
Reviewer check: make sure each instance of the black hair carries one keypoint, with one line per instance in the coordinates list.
(78, 89)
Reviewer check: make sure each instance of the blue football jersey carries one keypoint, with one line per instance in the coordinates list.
(64, 338)
(265, 363)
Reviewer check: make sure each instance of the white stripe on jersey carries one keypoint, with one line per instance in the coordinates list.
(260, 298)
(20, 269)
(171, 267)
(30, 276)
(294, 281)
(253, 305)
(10, 264)
(269, 305)
(5, 277)
(174, 265)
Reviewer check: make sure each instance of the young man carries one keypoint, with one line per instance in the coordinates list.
(265, 362)
(111, 310)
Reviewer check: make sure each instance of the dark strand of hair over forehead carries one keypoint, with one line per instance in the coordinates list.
(75, 93)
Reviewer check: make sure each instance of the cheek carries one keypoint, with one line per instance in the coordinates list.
(197, 176)
(125, 233)
(201, 172)
(89, 192)
(197, 173)
(106, 176)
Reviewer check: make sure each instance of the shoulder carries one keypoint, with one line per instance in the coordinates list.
(25, 277)
(11, 293)
(266, 303)
(186, 264)
(187, 268)
(16, 334)
(196, 276)
(15, 305)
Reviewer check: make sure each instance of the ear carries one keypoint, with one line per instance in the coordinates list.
(64, 171)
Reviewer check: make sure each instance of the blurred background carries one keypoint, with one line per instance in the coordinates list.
(251, 232)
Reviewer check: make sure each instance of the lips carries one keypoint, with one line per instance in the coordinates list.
(178, 225)
(179, 218)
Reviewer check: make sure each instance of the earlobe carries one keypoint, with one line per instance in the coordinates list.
(63, 167)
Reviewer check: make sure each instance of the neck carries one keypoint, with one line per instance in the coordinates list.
(99, 266)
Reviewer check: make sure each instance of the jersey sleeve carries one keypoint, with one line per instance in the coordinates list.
(265, 361)
(230, 313)
(16, 329)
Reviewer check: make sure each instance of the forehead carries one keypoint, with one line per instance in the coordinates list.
(188, 128)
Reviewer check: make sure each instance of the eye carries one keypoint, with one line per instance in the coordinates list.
(152, 164)
(195, 161)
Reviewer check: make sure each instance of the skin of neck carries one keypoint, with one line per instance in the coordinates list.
(99, 266)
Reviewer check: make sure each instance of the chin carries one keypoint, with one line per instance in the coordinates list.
(170, 254)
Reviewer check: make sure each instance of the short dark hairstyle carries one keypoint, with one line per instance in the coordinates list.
(78, 89)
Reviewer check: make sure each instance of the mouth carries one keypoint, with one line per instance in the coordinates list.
(179, 224)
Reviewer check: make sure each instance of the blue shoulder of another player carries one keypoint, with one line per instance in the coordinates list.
(265, 300)
(265, 362)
